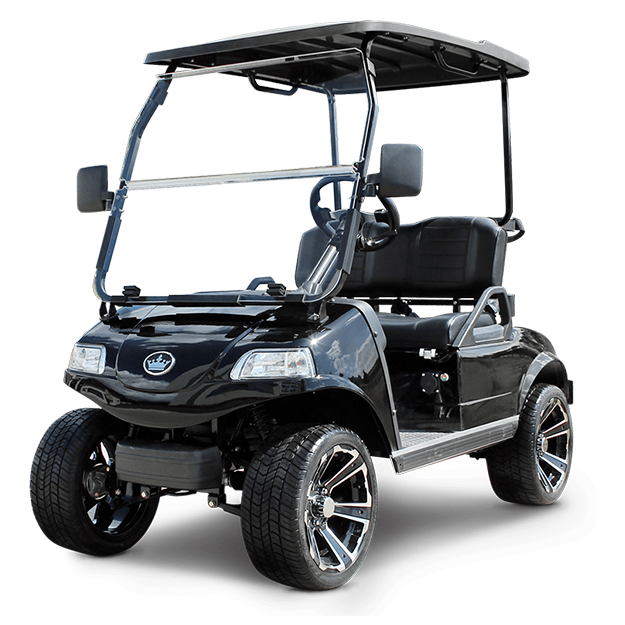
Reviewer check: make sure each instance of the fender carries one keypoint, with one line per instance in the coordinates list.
(546, 367)
(348, 351)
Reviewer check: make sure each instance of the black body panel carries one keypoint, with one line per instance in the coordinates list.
(482, 384)
(491, 379)
(468, 387)
(198, 388)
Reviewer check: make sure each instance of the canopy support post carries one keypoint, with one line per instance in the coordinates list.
(507, 146)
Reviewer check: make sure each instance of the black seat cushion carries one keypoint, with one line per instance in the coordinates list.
(426, 332)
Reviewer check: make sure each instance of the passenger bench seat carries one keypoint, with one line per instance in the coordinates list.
(442, 257)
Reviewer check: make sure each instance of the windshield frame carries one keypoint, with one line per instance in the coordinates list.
(334, 264)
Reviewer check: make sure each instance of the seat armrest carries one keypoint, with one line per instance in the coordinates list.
(466, 337)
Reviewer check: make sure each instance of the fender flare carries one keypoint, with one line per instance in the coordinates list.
(385, 430)
(546, 367)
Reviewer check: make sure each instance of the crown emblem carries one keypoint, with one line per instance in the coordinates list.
(158, 363)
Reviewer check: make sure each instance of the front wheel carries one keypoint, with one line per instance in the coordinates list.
(309, 507)
(533, 466)
(76, 498)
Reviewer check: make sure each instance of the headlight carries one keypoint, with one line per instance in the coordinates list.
(87, 358)
(290, 363)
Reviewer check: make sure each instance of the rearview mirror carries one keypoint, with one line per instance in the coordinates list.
(401, 170)
(92, 187)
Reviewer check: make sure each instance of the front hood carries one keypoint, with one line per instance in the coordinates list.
(171, 353)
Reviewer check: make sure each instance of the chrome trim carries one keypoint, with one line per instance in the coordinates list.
(473, 402)
(280, 174)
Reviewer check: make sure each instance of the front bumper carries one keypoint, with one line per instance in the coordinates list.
(168, 464)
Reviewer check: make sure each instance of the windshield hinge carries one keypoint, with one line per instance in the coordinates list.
(131, 291)
(276, 290)
(107, 315)
(317, 313)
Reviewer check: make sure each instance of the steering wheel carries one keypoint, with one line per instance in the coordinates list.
(373, 234)
(323, 216)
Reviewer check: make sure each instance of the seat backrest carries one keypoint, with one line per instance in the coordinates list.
(439, 257)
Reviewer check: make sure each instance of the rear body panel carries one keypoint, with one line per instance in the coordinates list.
(482, 384)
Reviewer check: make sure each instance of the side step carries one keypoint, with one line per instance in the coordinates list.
(421, 449)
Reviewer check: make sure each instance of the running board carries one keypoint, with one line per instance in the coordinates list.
(421, 449)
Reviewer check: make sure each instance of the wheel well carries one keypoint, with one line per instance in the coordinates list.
(334, 406)
(554, 373)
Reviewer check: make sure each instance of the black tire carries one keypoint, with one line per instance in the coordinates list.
(533, 466)
(72, 484)
(309, 507)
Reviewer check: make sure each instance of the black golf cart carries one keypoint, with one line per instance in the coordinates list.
(285, 392)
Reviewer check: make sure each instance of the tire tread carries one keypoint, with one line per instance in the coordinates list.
(55, 477)
(512, 464)
(269, 514)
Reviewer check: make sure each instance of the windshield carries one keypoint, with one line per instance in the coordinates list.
(274, 129)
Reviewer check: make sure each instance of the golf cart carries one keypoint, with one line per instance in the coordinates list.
(284, 393)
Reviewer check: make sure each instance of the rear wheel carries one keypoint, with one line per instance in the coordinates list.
(309, 507)
(533, 467)
(75, 495)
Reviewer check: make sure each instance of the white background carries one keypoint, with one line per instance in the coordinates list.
(35, 226)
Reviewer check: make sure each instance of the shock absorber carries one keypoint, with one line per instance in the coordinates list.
(260, 419)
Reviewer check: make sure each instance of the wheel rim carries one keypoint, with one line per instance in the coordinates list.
(111, 511)
(553, 446)
(339, 508)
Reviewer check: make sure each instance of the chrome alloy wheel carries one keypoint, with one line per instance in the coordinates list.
(339, 509)
(553, 445)
(309, 507)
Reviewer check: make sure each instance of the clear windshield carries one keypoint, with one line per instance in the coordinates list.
(220, 235)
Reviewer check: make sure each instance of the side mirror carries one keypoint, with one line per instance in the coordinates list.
(401, 170)
(92, 187)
